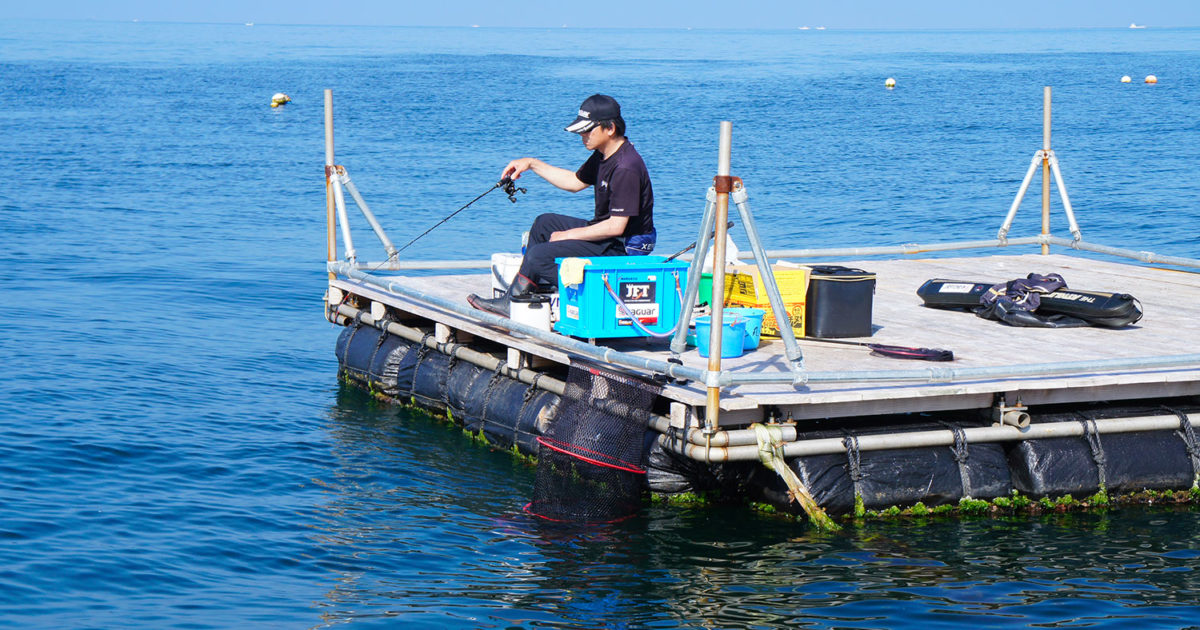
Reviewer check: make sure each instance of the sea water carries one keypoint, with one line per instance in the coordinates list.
(176, 450)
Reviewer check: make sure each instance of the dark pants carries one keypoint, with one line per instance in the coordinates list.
(540, 253)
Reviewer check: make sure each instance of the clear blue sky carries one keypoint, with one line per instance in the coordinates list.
(634, 13)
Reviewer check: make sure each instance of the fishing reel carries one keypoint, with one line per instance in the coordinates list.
(510, 188)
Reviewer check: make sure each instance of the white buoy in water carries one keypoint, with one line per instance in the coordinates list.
(280, 99)
(889, 83)
(1150, 78)
(1126, 79)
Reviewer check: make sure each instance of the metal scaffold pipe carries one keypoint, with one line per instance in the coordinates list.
(724, 437)
(367, 214)
(723, 184)
(928, 439)
(1002, 235)
(791, 349)
(1046, 167)
(415, 265)
(888, 250)
(1143, 256)
(330, 230)
(1072, 225)
(343, 217)
(950, 375)
(695, 269)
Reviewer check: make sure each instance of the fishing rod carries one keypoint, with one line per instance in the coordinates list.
(507, 184)
(689, 247)
(894, 352)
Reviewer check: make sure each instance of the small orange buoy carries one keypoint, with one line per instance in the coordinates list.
(1126, 79)
(1151, 79)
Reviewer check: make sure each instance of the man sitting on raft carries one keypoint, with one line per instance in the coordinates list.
(623, 223)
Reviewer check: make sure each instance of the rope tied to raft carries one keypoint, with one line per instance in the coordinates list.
(1188, 434)
(770, 453)
(1092, 433)
(960, 451)
(422, 350)
(532, 389)
(491, 386)
(450, 365)
(525, 398)
(854, 463)
(382, 325)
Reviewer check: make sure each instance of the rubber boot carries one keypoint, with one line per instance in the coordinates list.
(503, 305)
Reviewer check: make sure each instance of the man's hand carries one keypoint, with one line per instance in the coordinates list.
(516, 167)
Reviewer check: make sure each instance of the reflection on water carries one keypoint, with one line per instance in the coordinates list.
(424, 526)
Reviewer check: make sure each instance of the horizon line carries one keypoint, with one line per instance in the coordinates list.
(803, 27)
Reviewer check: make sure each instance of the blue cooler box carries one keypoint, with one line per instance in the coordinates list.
(649, 285)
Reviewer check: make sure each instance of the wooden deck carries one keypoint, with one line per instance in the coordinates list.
(1171, 326)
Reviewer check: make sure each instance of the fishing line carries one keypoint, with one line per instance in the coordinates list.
(510, 188)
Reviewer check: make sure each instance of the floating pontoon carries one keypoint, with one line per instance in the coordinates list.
(1096, 410)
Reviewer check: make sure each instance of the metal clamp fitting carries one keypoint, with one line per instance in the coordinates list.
(1016, 415)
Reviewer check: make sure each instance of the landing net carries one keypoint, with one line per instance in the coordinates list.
(590, 460)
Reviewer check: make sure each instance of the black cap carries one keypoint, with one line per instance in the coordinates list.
(597, 107)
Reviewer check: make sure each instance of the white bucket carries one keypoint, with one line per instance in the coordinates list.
(534, 312)
(504, 269)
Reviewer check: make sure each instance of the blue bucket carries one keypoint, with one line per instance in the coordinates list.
(754, 320)
(733, 337)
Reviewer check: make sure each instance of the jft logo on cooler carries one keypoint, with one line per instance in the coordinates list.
(639, 299)
(637, 292)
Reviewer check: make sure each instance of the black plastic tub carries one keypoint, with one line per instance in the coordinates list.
(838, 302)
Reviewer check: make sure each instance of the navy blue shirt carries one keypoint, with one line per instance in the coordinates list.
(622, 187)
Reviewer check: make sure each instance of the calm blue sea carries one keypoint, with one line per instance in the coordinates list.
(175, 448)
